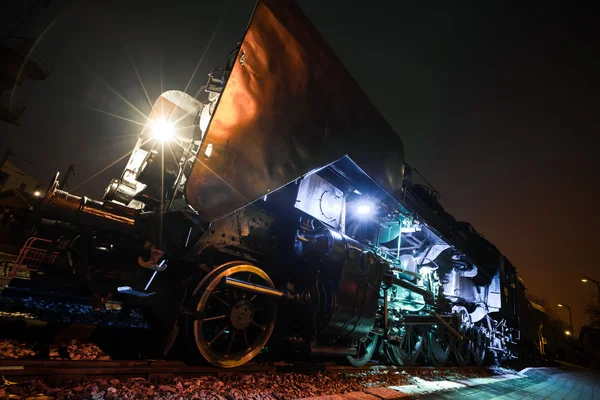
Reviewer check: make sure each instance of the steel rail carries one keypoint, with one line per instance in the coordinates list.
(58, 372)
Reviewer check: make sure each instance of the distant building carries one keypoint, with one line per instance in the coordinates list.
(19, 191)
(12, 177)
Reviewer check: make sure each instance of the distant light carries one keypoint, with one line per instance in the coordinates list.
(584, 280)
(568, 333)
(364, 209)
(208, 150)
(560, 305)
(357, 192)
(162, 130)
(37, 193)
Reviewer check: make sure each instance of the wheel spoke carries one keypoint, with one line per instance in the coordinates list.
(246, 339)
(230, 343)
(258, 326)
(220, 299)
(213, 318)
(218, 336)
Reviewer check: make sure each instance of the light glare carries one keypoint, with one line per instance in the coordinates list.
(162, 130)
(363, 209)
(37, 193)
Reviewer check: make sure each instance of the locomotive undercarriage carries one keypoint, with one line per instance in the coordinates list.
(272, 273)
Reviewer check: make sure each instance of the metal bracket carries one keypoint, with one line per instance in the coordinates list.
(128, 290)
(160, 267)
(447, 325)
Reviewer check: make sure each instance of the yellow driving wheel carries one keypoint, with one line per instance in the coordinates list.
(232, 325)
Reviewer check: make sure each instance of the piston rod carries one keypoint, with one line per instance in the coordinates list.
(252, 287)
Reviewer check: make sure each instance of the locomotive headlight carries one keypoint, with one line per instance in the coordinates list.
(162, 130)
(364, 209)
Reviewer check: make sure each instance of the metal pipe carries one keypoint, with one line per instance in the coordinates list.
(385, 309)
(83, 211)
(323, 350)
(252, 287)
(414, 288)
(424, 319)
(188, 236)
(399, 236)
(407, 272)
(150, 281)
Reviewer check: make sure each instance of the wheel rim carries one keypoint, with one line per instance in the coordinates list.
(462, 349)
(462, 346)
(232, 326)
(366, 348)
(478, 347)
(438, 348)
(410, 347)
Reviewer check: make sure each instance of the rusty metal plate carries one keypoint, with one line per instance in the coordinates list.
(288, 108)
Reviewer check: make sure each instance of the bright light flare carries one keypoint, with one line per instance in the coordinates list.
(584, 280)
(568, 333)
(37, 193)
(560, 305)
(364, 209)
(163, 130)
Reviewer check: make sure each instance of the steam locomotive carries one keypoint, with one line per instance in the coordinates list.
(278, 215)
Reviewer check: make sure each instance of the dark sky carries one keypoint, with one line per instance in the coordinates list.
(498, 106)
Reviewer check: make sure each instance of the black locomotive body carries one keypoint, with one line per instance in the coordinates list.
(280, 211)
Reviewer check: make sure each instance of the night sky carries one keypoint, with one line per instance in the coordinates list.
(497, 106)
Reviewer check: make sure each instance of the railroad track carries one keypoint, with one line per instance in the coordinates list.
(58, 372)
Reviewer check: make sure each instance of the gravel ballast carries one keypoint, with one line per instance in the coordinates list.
(235, 387)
